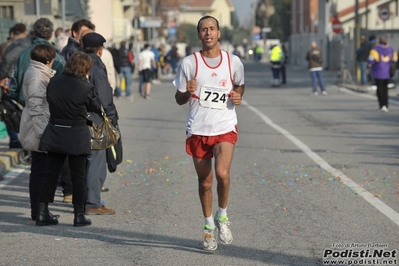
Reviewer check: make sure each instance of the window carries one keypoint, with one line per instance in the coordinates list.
(7, 12)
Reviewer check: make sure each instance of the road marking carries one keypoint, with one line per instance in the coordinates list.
(381, 206)
(10, 176)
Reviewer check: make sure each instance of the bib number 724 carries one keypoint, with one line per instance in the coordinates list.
(212, 97)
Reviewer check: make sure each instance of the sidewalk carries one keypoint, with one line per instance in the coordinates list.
(393, 92)
(8, 157)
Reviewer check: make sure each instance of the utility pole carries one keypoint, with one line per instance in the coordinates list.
(37, 9)
(301, 16)
(63, 13)
(322, 28)
(357, 35)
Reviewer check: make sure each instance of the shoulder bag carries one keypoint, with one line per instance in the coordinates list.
(104, 135)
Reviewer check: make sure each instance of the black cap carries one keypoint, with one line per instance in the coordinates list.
(93, 40)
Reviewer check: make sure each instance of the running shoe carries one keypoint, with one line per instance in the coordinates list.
(210, 242)
(222, 223)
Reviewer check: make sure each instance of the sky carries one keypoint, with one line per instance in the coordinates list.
(243, 9)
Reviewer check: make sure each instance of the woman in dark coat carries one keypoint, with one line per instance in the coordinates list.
(70, 97)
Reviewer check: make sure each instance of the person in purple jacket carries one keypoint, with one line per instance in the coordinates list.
(380, 59)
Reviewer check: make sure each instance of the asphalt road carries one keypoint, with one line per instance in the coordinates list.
(310, 173)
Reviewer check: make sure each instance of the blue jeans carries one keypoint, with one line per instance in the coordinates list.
(14, 141)
(317, 76)
(363, 72)
(126, 72)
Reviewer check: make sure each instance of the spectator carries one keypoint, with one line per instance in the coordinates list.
(125, 69)
(163, 61)
(315, 59)
(155, 78)
(12, 52)
(96, 171)
(380, 59)
(61, 39)
(173, 57)
(43, 31)
(146, 63)
(70, 97)
(276, 59)
(236, 51)
(35, 116)
(361, 56)
(4, 45)
(131, 57)
(73, 44)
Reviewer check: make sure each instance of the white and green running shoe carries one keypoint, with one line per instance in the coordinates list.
(222, 223)
(210, 242)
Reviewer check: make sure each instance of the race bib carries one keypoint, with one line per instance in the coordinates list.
(213, 97)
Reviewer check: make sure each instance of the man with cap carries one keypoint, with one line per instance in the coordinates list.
(96, 170)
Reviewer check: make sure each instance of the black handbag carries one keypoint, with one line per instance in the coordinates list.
(104, 135)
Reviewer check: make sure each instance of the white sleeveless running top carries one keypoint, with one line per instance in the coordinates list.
(212, 111)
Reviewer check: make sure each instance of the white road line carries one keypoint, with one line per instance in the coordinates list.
(381, 206)
(10, 176)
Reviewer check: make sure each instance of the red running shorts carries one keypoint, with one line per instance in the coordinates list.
(202, 146)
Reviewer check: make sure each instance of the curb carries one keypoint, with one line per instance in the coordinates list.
(394, 96)
(8, 160)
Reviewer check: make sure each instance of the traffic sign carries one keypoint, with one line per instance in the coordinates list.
(150, 22)
(336, 26)
(384, 13)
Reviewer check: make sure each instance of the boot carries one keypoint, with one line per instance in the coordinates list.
(44, 217)
(80, 219)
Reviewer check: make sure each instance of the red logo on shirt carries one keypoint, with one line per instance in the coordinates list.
(214, 74)
(223, 83)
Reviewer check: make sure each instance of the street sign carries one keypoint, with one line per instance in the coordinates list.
(150, 22)
(384, 13)
(336, 26)
(265, 30)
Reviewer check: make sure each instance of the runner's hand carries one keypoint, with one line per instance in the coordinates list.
(192, 86)
(235, 97)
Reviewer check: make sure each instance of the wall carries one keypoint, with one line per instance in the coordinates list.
(101, 17)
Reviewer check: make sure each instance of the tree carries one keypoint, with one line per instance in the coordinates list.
(275, 15)
(280, 21)
(187, 33)
(235, 22)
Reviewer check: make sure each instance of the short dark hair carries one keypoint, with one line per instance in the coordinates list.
(146, 46)
(92, 50)
(19, 28)
(77, 25)
(206, 17)
(79, 64)
(383, 40)
(43, 53)
(43, 28)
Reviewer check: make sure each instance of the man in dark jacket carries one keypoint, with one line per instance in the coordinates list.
(96, 170)
(21, 42)
(43, 31)
(73, 42)
(361, 56)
